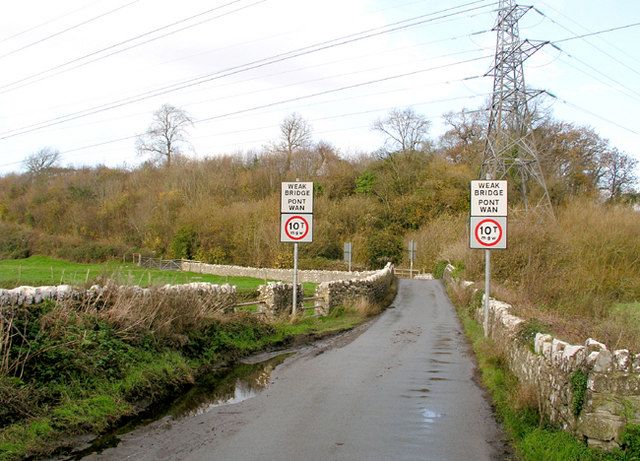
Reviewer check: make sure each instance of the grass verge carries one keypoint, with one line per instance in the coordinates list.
(516, 406)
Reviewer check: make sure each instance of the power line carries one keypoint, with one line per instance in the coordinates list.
(47, 72)
(348, 59)
(262, 39)
(273, 104)
(343, 88)
(155, 38)
(49, 21)
(608, 77)
(225, 73)
(63, 31)
(612, 29)
(570, 19)
(342, 99)
(370, 82)
(576, 35)
(326, 77)
(12, 86)
(587, 111)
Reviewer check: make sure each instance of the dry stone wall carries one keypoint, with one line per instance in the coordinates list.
(373, 289)
(313, 276)
(25, 295)
(221, 297)
(586, 389)
(277, 299)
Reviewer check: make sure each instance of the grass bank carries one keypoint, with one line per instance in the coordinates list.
(73, 372)
(516, 407)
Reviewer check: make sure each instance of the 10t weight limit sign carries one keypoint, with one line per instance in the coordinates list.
(296, 228)
(488, 233)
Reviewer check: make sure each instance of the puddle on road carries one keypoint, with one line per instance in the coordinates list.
(241, 383)
(429, 417)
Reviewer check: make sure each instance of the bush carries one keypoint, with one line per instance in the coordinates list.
(527, 332)
(89, 251)
(578, 380)
(438, 269)
(18, 400)
(14, 242)
(383, 247)
(184, 244)
(630, 441)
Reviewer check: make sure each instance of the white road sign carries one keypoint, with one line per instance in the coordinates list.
(489, 198)
(488, 233)
(296, 228)
(296, 197)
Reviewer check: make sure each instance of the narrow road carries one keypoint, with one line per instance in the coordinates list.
(404, 389)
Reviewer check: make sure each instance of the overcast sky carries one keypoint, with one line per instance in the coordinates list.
(81, 73)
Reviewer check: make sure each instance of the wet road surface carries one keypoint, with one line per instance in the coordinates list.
(403, 389)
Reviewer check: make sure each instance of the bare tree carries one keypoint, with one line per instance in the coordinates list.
(406, 131)
(166, 134)
(619, 173)
(42, 160)
(295, 135)
(462, 142)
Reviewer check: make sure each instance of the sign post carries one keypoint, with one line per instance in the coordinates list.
(488, 228)
(412, 256)
(296, 223)
(347, 254)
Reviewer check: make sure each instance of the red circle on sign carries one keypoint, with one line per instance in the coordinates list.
(286, 227)
(484, 221)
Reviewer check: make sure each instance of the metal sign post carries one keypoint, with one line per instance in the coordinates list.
(487, 289)
(488, 229)
(296, 223)
(347, 254)
(295, 279)
(412, 256)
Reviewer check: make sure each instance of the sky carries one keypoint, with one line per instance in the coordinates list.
(85, 76)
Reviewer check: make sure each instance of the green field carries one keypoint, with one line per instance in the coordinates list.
(42, 270)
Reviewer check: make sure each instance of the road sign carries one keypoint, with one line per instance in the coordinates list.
(488, 233)
(413, 248)
(296, 228)
(347, 252)
(296, 197)
(489, 198)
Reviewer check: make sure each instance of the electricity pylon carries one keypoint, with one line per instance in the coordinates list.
(510, 150)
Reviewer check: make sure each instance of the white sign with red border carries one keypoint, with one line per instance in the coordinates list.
(489, 198)
(296, 228)
(296, 197)
(488, 233)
